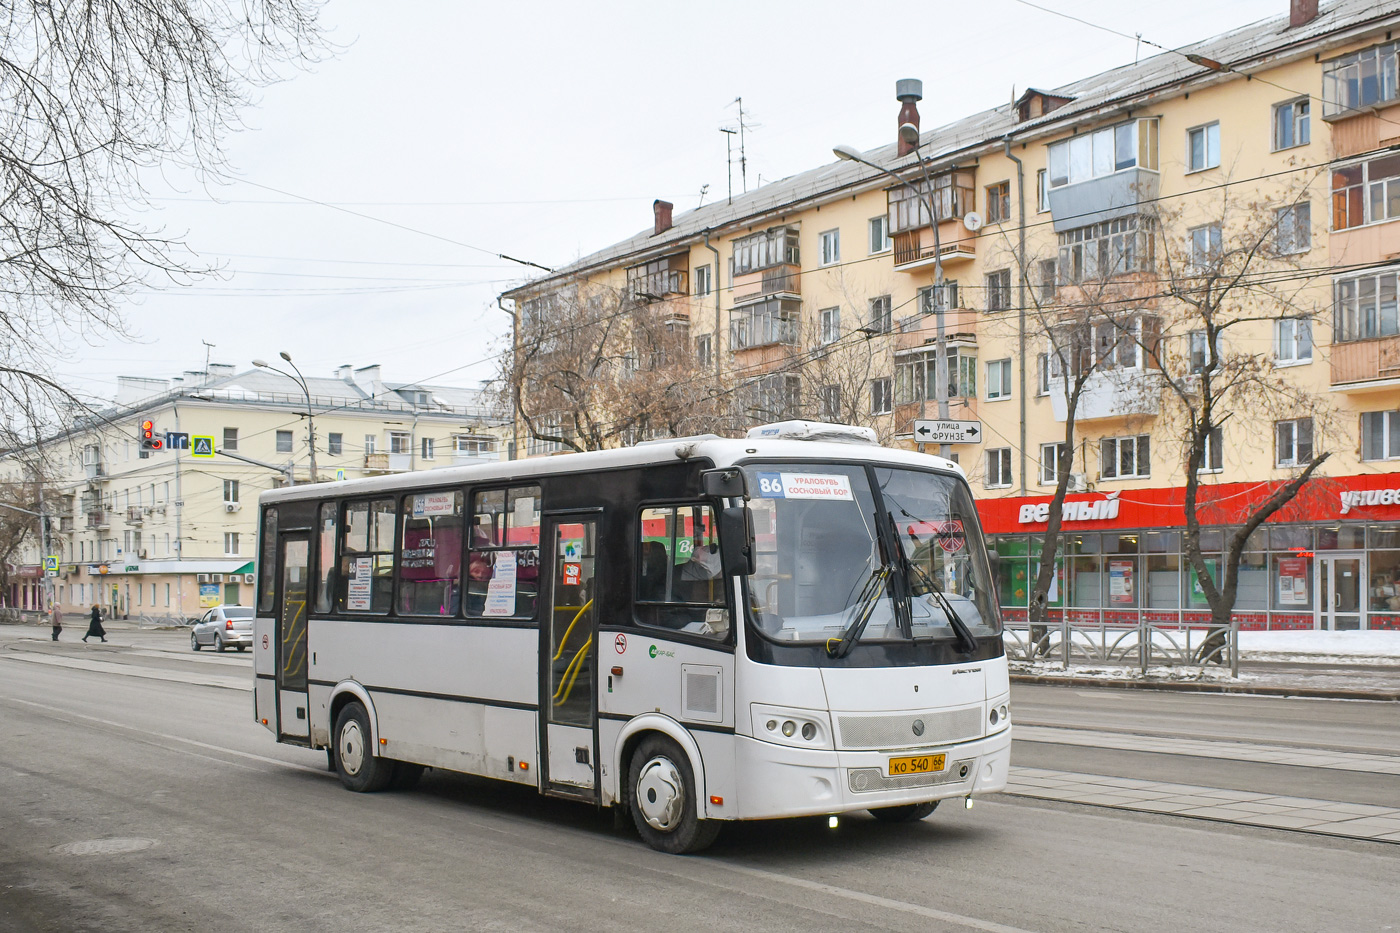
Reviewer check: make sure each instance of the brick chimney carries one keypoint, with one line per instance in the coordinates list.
(908, 91)
(662, 210)
(1300, 12)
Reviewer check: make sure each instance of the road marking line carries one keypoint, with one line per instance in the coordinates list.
(132, 670)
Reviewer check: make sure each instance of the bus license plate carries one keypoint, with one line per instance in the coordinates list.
(917, 764)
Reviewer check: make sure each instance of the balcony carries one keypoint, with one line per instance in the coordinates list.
(98, 521)
(921, 329)
(1114, 393)
(1110, 197)
(65, 524)
(94, 470)
(763, 283)
(135, 515)
(913, 249)
(388, 463)
(1365, 365)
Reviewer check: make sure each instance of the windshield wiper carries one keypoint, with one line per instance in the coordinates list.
(966, 640)
(864, 609)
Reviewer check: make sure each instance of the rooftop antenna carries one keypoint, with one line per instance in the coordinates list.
(743, 157)
(704, 189)
(729, 157)
(207, 348)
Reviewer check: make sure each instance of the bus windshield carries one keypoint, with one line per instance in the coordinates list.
(842, 549)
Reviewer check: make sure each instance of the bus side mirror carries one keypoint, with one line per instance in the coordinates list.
(736, 541)
(727, 483)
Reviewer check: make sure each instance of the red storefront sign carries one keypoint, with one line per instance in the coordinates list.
(1368, 497)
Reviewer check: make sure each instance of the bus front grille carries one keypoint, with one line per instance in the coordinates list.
(906, 730)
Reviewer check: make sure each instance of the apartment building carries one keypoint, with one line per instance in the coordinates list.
(172, 531)
(1287, 130)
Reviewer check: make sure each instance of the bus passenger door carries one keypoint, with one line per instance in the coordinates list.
(568, 653)
(293, 559)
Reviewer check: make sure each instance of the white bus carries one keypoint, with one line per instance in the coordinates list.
(696, 630)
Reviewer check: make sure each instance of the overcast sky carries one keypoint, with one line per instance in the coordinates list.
(543, 131)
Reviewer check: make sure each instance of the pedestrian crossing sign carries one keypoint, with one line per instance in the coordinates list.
(202, 445)
(51, 565)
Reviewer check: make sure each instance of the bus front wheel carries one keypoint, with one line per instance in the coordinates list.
(905, 813)
(661, 796)
(359, 768)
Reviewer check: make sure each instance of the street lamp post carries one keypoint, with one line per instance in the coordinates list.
(910, 134)
(310, 417)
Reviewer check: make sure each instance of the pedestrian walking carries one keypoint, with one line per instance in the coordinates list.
(95, 629)
(57, 622)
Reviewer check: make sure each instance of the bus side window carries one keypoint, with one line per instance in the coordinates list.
(679, 585)
(430, 555)
(366, 557)
(267, 560)
(503, 557)
(326, 556)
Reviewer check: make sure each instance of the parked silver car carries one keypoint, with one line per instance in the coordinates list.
(224, 627)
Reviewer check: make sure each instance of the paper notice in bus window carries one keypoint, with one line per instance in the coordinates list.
(500, 592)
(359, 588)
(434, 503)
(828, 486)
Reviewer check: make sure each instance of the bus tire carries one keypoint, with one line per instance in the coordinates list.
(661, 796)
(406, 776)
(904, 813)
(359, 768)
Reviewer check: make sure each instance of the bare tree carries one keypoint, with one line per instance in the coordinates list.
(95, 96)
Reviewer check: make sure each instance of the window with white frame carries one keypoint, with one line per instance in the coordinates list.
(370, 443)
(775, 397)
(1050, 455)
(400, 442)
(916, 376)
(1203, 147)
(1042, 191)
(1200, 355)
(829, 247)
(1364, 306)
(879, 234)
(1042, 374)
(1360, 79)
(335, 443)
(830, 397)
(1049, 285)
(1103, 152)
(1291, 124)
(1205, 246)
(704, 350)
(1130, 342)
(881, 396)
(230, 490)
(704, 280)
(230, 544)
(998, 468)
(546, 426)
(1293, 442)
(1213, 456)
(999, 379)
(1366, 192)
(829, 326)
(934, 298)
(1380, 435)
(881, 314)
(425, 448)
(999, 290)
(1103, 250)
(1293, 229)
(1293, 340)
(230, 439)
(284, 442)
(764, 323)
(1125, 457)
(472, 445)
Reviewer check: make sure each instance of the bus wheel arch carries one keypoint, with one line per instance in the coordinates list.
(662, 788)
(360, 769)
(349, 692)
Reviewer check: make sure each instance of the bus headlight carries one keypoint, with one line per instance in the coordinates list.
(799, 728)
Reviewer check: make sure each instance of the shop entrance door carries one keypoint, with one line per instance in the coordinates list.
(1339, 591)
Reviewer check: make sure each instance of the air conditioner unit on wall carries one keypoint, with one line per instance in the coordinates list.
(249, 579)
(202, 578)
(232, 506)
(1078, 482)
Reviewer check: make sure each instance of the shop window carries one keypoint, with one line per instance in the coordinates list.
(1191, 583)
(679, 585)
(503, 564)
(1014, 580)
(366, 556)
(1252, 586)
(430, 556)
(1383, 593)
(1341, 538)
(1292, 576)
(1163, 585)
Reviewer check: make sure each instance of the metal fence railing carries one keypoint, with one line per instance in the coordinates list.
(1141, 645)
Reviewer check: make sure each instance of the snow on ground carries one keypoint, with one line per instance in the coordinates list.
(1308, 646)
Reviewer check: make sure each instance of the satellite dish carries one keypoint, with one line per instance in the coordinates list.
(972, 221)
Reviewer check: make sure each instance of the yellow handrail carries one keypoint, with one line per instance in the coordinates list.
(565, 640)
(575, 665)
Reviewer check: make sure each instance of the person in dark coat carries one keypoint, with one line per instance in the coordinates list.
(57, 621)
(95, 629)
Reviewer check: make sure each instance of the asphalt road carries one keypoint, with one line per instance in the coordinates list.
(136, 793)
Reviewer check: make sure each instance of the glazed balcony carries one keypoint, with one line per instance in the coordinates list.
(921, 329)
(1113, 393)
(1365, 365)
(762, 283)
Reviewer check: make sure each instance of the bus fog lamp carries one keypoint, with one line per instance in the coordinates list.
(994, 716)
(789, 727)
(809, 731)
(832, 822)
(772, 725)
(1005, 713)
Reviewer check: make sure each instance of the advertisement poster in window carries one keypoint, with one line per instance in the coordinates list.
(500, 592)
(1293, 581)
(1120, 582)
(1198, 595)
(360, 584)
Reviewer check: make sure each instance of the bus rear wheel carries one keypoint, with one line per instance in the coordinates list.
(359, 768)
(661, 796)
(904, 813)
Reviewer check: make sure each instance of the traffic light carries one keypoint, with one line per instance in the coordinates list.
(149, 441)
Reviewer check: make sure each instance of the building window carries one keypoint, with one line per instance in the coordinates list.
(650, 281)
(775, 397)
(1042, 374)
(829, 326)
(1042, 192)
(829, 244)
(704, 350)
(230, 544)
(879, 234)
(953, 196)
(1212, 458)
(763, 323)
(881, 314)
(1125, 457)
(230, 490)
(400, 442)
(881, 398)
(230, 439)
(470, 445)
(1203, 147)
(369, 444)
(998, 468)
(999, 202)
(704, 281)
(1104, 249)
(1048, 279)
(284, 442)
(999, 379)
(1293, 340)
(1291, 124)
(1293, 442)
(934, 298)
(425, 448)
(1103, 152)
(999, 290)
(335, 443)
(764, 250)
(830, 397)
(1366, 192)
(916, 375)
(1361, 79)
(1364, 306)
(1200, 355)
(1049, 463)
(1293, 229)
(1205, 246)
(1380, 435)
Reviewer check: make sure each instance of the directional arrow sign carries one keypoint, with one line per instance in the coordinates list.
(948, 432)
(202, 445)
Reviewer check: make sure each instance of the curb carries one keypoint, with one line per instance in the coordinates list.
(1319, 693)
